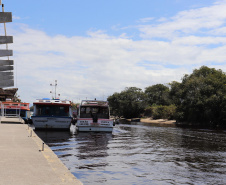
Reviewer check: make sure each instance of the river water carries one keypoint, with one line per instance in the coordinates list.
(142, 154)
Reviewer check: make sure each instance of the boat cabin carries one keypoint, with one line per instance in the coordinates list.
(94, 109)
(48, 107)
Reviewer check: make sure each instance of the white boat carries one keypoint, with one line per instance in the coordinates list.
(52, 114)
(94, 115)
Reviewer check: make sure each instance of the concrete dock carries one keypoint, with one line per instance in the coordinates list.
(22, 161)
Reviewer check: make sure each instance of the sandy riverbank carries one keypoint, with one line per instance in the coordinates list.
(150, 120)
(158, 121)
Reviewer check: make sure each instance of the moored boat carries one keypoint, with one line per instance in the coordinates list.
(52, 114)
(14, 112)
(94, 115)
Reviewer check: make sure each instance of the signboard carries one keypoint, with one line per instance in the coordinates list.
(6, 83)
(6, 39)
(5, 17)
(6, 66)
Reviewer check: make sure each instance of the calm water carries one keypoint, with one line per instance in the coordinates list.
(141, 154)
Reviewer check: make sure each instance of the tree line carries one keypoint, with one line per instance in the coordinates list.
(199, 99)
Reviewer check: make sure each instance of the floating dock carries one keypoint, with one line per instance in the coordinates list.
(25, 160)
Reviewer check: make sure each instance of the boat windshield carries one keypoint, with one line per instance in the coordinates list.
(88, 112)
(52, 110)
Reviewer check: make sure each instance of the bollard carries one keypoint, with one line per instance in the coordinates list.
(43, 146)
(31, 133)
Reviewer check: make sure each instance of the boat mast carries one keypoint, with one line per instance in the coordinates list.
(55, 87)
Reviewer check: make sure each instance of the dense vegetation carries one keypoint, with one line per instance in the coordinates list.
(199, 99)
(130, 103)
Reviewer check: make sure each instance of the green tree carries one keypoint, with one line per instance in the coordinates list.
(157, 94)
(129, 103)
(202, 97)
(175, 92)
(16, 98)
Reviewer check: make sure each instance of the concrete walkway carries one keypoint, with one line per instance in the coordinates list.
(23, 163)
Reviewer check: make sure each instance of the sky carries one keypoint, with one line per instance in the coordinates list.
(96, 48)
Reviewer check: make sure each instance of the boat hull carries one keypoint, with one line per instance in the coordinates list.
(94, 129)
(87, 125)
(62, 123)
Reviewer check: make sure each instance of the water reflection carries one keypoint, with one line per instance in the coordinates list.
(142, 154)
(96, 143)
(54, 136)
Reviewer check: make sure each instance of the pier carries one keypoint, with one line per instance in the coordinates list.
(26, 160)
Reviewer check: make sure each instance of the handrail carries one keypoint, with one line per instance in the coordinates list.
(12, 115)
(4, 108)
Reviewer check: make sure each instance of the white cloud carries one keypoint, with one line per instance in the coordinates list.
(147, 19)
(16, 18)
(89, 67)
(192, 21)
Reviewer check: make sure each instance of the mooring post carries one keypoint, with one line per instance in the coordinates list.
(43, 146)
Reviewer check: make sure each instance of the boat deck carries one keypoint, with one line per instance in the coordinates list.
(23, 161)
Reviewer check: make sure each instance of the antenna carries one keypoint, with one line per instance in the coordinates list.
(55, 87)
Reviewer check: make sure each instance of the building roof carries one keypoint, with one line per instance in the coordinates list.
(7, 93)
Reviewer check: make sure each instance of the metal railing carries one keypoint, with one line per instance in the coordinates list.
(4, 112)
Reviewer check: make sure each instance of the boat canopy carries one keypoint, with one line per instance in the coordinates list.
(55, 101)
(94, 103)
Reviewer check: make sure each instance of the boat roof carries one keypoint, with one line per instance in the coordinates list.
(15, 105)
(47, 101)
(94, 103)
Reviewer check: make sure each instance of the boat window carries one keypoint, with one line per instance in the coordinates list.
(95, 110)
(22, 113)
(103, 112)
(89, 112)
(52, 110)
(85, 112)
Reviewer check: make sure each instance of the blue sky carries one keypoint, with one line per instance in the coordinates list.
(96, 48)
(76, 17)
